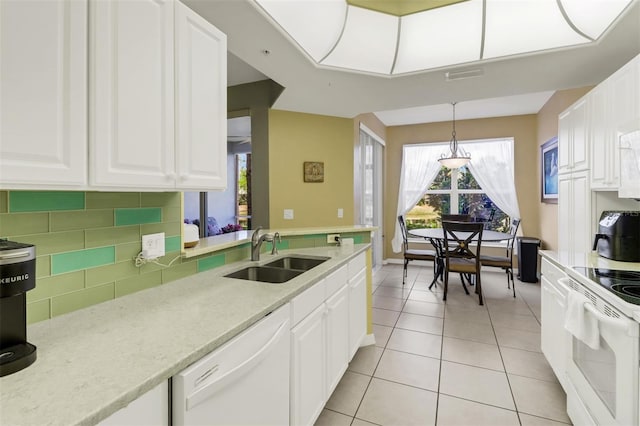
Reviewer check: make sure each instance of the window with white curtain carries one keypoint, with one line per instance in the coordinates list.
(456, 191)
(485, 188)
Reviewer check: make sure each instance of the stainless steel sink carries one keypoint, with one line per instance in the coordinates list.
(265, 274)
(297, 263)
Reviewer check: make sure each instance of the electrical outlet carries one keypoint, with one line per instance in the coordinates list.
(333, 238)
(288, 214)
(340, 213)
(153, 245)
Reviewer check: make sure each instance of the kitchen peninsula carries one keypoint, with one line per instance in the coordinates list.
(95, 361)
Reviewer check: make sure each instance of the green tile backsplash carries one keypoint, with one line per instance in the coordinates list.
(41, 201)
(86, 242)
(138, 216)
(82, 259)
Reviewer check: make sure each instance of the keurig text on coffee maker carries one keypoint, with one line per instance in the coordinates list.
(17, 276)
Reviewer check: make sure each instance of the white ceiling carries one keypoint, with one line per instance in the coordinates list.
(511, 86)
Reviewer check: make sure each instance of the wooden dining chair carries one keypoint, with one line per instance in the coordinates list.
(413, 254)
(455, 217)
(505, 262)
(462, 241)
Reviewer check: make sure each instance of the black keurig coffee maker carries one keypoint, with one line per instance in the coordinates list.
(17, 276)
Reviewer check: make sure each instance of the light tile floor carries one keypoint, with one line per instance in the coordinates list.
(449, 364)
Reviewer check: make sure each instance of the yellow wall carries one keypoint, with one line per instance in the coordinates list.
(548, 128)
(522, 128)
(295, 138)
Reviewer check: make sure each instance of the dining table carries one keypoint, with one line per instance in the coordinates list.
(435, 236)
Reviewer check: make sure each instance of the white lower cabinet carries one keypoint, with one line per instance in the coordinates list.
(150, 409)
(554, 338)
(308, 372)
(357, 303)
(329, 322)
(337, 337)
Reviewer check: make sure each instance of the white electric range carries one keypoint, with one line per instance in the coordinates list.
(603, 373)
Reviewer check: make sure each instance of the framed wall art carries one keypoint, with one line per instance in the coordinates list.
(549, 160)
(313, 171)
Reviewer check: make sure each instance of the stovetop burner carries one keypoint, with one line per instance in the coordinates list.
(624, 284)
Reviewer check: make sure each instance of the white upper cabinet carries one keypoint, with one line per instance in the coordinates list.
(153, 117)
(625, 88)
(132, 94)
(572, 138)
(614, 111)
(604, 153)
(43, 97)
(201, 102)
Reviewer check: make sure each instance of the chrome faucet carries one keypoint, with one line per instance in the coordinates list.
(274, 248)
(256, 242)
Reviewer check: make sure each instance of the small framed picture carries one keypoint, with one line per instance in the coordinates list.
(313, 171)
(549, 160)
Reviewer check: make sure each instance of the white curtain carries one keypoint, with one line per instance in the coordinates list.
(492, 167)
(419, 168)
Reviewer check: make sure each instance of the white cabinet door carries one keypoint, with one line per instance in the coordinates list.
(602, 140)
(553, 335)
(132, 93)
(337, 337)
(625, 96)
(150, 409)
(43, 102)
(564, 211)
(309, 374)
(572, 138)
(574, 213)
(357, 311)
(201, 99)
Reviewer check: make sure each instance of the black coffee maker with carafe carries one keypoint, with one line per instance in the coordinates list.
(17, 276)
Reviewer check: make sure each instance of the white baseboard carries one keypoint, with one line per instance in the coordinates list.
(368, 340)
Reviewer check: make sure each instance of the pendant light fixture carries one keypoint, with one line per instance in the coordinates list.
(455, 160)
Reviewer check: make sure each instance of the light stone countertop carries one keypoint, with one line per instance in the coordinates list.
(589, 259)
(94, 361)
(234, 239)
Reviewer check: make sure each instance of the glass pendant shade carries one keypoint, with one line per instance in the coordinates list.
(454, 162)
(458, 157)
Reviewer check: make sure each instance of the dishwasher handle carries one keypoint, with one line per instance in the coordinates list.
(211, 388)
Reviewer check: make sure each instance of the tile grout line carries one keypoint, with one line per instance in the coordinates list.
(377, 364)
(506, 374)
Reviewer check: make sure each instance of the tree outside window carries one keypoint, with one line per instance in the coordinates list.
(464, 196)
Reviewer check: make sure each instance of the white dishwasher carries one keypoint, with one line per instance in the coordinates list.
(244, 382)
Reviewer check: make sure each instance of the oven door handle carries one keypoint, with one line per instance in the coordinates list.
(618, 323)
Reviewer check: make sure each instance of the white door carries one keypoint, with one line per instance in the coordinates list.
(201, 99)
(308, 374)
(369, 166)
(43, 95)
(132, 93)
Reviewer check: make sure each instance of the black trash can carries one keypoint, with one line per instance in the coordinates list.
(528, 259)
